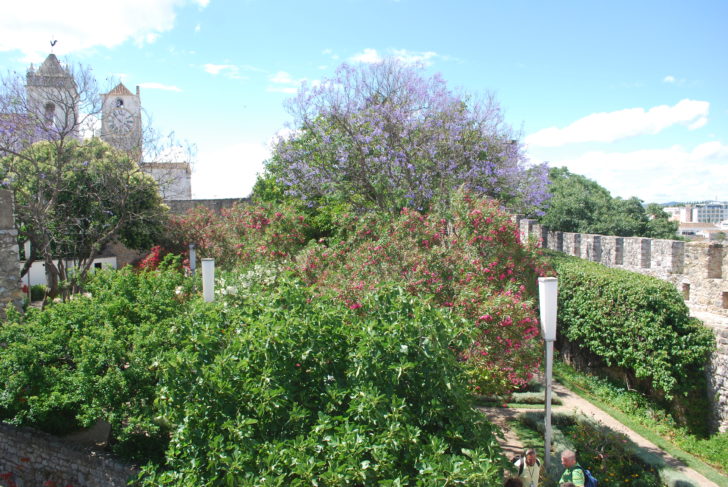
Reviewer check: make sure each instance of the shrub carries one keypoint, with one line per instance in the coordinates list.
(93, 357)
(275, 387)
(469, 259)
(242, 235)
(38, 292)
(632, 321)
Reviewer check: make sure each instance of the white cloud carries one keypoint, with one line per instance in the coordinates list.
(216, 69)
(611, 126)
(368, 55)
(198, 28)
(27, 27)
(670, 79)
(159, 86)
(372, 56)
(230, 70)
(283, 82)
(281, 77)
(413, 57)
(657, 175)
(228, 172)
(330, 53)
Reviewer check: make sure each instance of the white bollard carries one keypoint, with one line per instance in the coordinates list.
(208, 280)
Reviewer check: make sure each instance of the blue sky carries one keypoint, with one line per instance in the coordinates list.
(633, 94)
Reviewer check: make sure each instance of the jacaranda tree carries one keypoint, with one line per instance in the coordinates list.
(383, 136)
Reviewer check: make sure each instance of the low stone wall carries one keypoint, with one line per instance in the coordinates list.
(178, 207)
(32, 458)
(699, 271)
(10, 284)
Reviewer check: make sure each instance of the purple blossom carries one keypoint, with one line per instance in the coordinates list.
(397, 138)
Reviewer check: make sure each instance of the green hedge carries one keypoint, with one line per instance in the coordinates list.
(632, 321)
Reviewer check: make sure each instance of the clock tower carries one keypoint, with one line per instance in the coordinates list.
(121, 120)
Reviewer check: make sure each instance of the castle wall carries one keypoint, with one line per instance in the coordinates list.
(30, 457)
(181, 206)
(698, 270)
(10, 285)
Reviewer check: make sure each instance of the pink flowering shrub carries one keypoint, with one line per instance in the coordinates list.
(151, 261)
(243, 234)
(471, 260)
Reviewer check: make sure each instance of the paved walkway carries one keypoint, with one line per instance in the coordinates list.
(570, 401)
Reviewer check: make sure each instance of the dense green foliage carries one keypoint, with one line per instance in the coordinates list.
(93, 357)
(581, 205)
(275, 389)
(272, 385)
(632, 321)
(712, 449)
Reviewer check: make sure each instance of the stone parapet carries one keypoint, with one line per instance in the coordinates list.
(10, 284)
(30, 457)
(179, 207)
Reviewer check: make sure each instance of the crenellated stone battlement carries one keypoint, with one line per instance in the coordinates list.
(698, 270)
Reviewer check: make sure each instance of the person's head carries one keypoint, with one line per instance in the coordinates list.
(568, 458)
(513, 482)
(530, 457)
(568, 484)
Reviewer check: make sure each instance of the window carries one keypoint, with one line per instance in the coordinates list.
(686, 291)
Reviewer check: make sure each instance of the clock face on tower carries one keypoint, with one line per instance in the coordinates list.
(120, 121)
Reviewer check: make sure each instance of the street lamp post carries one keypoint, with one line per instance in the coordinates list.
(547, 293)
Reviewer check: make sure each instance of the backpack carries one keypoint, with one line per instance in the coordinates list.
(589, 479)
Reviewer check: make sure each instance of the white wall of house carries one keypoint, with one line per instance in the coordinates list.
(37, 274)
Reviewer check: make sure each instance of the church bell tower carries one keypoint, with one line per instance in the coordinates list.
(121, 120)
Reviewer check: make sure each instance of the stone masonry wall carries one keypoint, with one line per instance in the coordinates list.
(699, 271)
(10, 285)
(32, 458)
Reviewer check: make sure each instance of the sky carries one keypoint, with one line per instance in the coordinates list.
(631, 94)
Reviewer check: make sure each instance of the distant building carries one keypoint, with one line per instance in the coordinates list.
(682, 214)
(697, 231)
(713, 212)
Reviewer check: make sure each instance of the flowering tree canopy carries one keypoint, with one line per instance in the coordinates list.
(385, 137)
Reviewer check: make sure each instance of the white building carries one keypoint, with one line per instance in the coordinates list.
(713, 212)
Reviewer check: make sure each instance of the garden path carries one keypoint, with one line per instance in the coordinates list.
(571, 401)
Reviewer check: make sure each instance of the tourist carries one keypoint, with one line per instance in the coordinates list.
(513, 482)
(529, 468)
(573, 472)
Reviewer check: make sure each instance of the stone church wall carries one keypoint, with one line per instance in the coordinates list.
(32, 458)
(698, 270)
(10, 285)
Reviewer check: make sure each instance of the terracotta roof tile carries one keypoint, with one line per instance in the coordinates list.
(120, 89)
